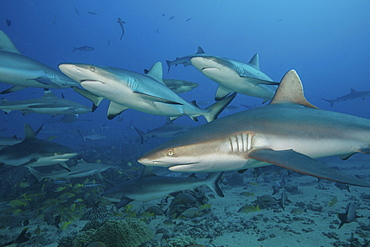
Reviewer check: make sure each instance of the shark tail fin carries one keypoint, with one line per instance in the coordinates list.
(95, 99)
(39, 176)
(213, 179)
(331, 101)
(142, 134)
(82, 136)
(214, 110)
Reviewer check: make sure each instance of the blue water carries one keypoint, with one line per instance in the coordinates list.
(326, 42)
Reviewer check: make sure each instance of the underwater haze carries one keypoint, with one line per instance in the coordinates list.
(325, 42)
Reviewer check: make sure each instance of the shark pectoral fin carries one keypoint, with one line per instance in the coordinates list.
(115, 109)
(95, 99)
(221, 93)
(298, 162)
(12, 89)
(255, 81)
(157, 99)
(365, 150)
(43, 80)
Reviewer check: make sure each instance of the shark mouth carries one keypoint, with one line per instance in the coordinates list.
(89, 80)
(209, 68)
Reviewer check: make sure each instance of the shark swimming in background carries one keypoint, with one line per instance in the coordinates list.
(350, 96)
(47, 104)
(149, 187)
(235, 76)
(289, 132)
(147, 93)
(81, 169)
(169, 129)
(33, 152)
(23, 72)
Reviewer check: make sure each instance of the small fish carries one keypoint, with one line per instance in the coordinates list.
(171, 18)
(246, 193)
(332, 202)
(120, 22)
(348, 216)
(8, 22)
(92, 13)
(64, 226)
(96, 244)
(83, 48)
(249, 208)
(78, 13)
(188, 19)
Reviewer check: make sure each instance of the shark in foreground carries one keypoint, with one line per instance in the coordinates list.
(147, 93)
(289, 132)
(350, 96)
(150, 187)
(23, 72)
(33, 152)
(235, 76)
(47, 104)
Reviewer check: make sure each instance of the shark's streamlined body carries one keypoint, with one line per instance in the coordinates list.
(23, 72)
(33, 152)
(81, 169)
(289, 132)
(150, 186)
(236, 76)
(47, 104)
(146, 93)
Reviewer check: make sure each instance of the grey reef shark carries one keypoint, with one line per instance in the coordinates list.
(150, 187)
(289, 132)
(232, 75)
(142, 92)
(47, 104)
(350, 96)
(23, 72)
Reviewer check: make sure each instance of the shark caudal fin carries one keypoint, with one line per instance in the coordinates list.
(212, 182)
(331, 101)
(214, 110)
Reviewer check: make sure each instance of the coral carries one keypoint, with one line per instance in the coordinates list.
(180, 241)
(116, 233)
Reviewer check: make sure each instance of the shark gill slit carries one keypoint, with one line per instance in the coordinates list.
(240, 142)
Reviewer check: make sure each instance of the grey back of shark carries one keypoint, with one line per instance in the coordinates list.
(289, 132)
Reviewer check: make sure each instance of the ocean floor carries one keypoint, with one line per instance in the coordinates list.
(249, 214)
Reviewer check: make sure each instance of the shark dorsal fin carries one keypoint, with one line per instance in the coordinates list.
(168, 121)
(148, 171)
(255, 61)
(28, 132)
(6, 44)
(200, 50)
(156, 72)
(291, 91)
(353, 91)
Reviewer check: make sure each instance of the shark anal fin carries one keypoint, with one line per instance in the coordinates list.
(301, 163)
(124, 201)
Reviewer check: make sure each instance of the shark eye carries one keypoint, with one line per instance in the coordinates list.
(92, 69)
(169, 152)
